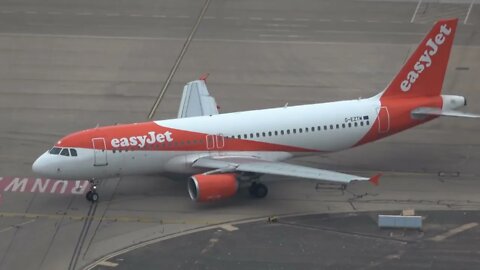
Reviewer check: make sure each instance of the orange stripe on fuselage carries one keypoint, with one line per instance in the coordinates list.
(150, 136)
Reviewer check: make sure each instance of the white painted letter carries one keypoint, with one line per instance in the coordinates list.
(58, 182)
(16, 184)
(151, 140)
(405, 86)
(79, 188)
(115, 142)
(167, 134)
(38, 185)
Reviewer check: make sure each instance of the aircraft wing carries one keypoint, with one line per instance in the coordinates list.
(196, 101)
(255, 165)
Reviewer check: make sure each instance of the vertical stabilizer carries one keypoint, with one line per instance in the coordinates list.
(423, 73)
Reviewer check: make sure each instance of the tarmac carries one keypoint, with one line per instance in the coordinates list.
(70, 66)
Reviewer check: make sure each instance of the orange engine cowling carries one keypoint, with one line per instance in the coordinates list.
(212, 187)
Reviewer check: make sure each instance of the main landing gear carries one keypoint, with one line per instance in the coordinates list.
(92, 195)
(258, 190)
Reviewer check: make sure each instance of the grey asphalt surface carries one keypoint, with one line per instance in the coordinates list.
(67, 66)
(323, 241)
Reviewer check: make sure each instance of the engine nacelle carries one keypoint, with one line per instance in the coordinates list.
(212, 187)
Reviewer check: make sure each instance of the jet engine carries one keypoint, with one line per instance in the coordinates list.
(212, 187)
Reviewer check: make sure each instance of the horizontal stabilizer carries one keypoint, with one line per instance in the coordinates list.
(429, 111)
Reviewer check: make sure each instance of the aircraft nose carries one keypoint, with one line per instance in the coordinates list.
(40, 165)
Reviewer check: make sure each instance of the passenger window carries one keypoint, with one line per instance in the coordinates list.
(306, 130)
(337, 126)
(55, 150)
(65, 152)
(269, 133)
(258, 134)
(282, 132)
(276, 133)
(331, 126)
(245, 136)
(251, 135)
(368, 123)
(349, 124)
(73, 152)
(263, 134)
(313, 129)
(355, 124)
(325, 127)
(288, 131)
(343, 125)
(299, 130)
(361, 123)
(319, 128)
(239, 136)
(294, 131)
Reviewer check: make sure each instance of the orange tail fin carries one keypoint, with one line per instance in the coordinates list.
(423, 73)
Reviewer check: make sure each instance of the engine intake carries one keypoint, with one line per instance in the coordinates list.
(212, 187)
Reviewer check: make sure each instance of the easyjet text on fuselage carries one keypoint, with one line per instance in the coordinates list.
(140, 141)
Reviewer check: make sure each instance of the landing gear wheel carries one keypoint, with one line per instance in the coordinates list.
(92, 195)
(258, 190)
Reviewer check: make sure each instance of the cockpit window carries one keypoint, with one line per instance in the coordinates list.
(65, 152)
(55, 150)
(73, 152)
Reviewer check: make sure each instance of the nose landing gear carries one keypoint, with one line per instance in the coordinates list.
(92, 195)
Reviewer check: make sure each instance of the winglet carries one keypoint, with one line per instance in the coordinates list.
(375, 180)
(204, 77)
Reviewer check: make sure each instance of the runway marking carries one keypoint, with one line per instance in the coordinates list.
(108, 264)
(84, 13)
(286, 25)
(42, 185)
(324, 20)
(301, 19)
(396, 22)
(454, 231)
(372, 21)
(211, 244)
(468, 12)
(31, 12)
(228, 227)
(230, 18)
(54, 13)
(255, 18)
(136, 15)
(278, 19)
(416, 10)
(16, 226)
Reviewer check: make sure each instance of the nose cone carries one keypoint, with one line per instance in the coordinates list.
(41, 166)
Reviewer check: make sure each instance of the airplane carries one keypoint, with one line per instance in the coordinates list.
(221, 152)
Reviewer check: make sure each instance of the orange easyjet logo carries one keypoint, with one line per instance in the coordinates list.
(425, 59)
(151, 138)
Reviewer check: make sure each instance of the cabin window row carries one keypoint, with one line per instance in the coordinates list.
(301, 130)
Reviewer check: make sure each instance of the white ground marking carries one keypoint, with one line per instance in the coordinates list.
(54, 13)
(17, 225)
(454, 231)
(230, 18)
(182, 16)
(84, 13)
(112, 14)
(416, 10)
(285, 25)
(468, 12)
(108, 264)
(210, 245)
(302, 19)
(278, 19)
(255, 18)
(228, 227)
(372, 21)
(136, 15)
(31, 12)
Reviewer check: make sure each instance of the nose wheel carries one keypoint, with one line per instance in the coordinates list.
(258, 190)
(92, 195)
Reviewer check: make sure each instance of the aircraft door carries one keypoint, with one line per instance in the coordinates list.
(383, 120)
(99, 152)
